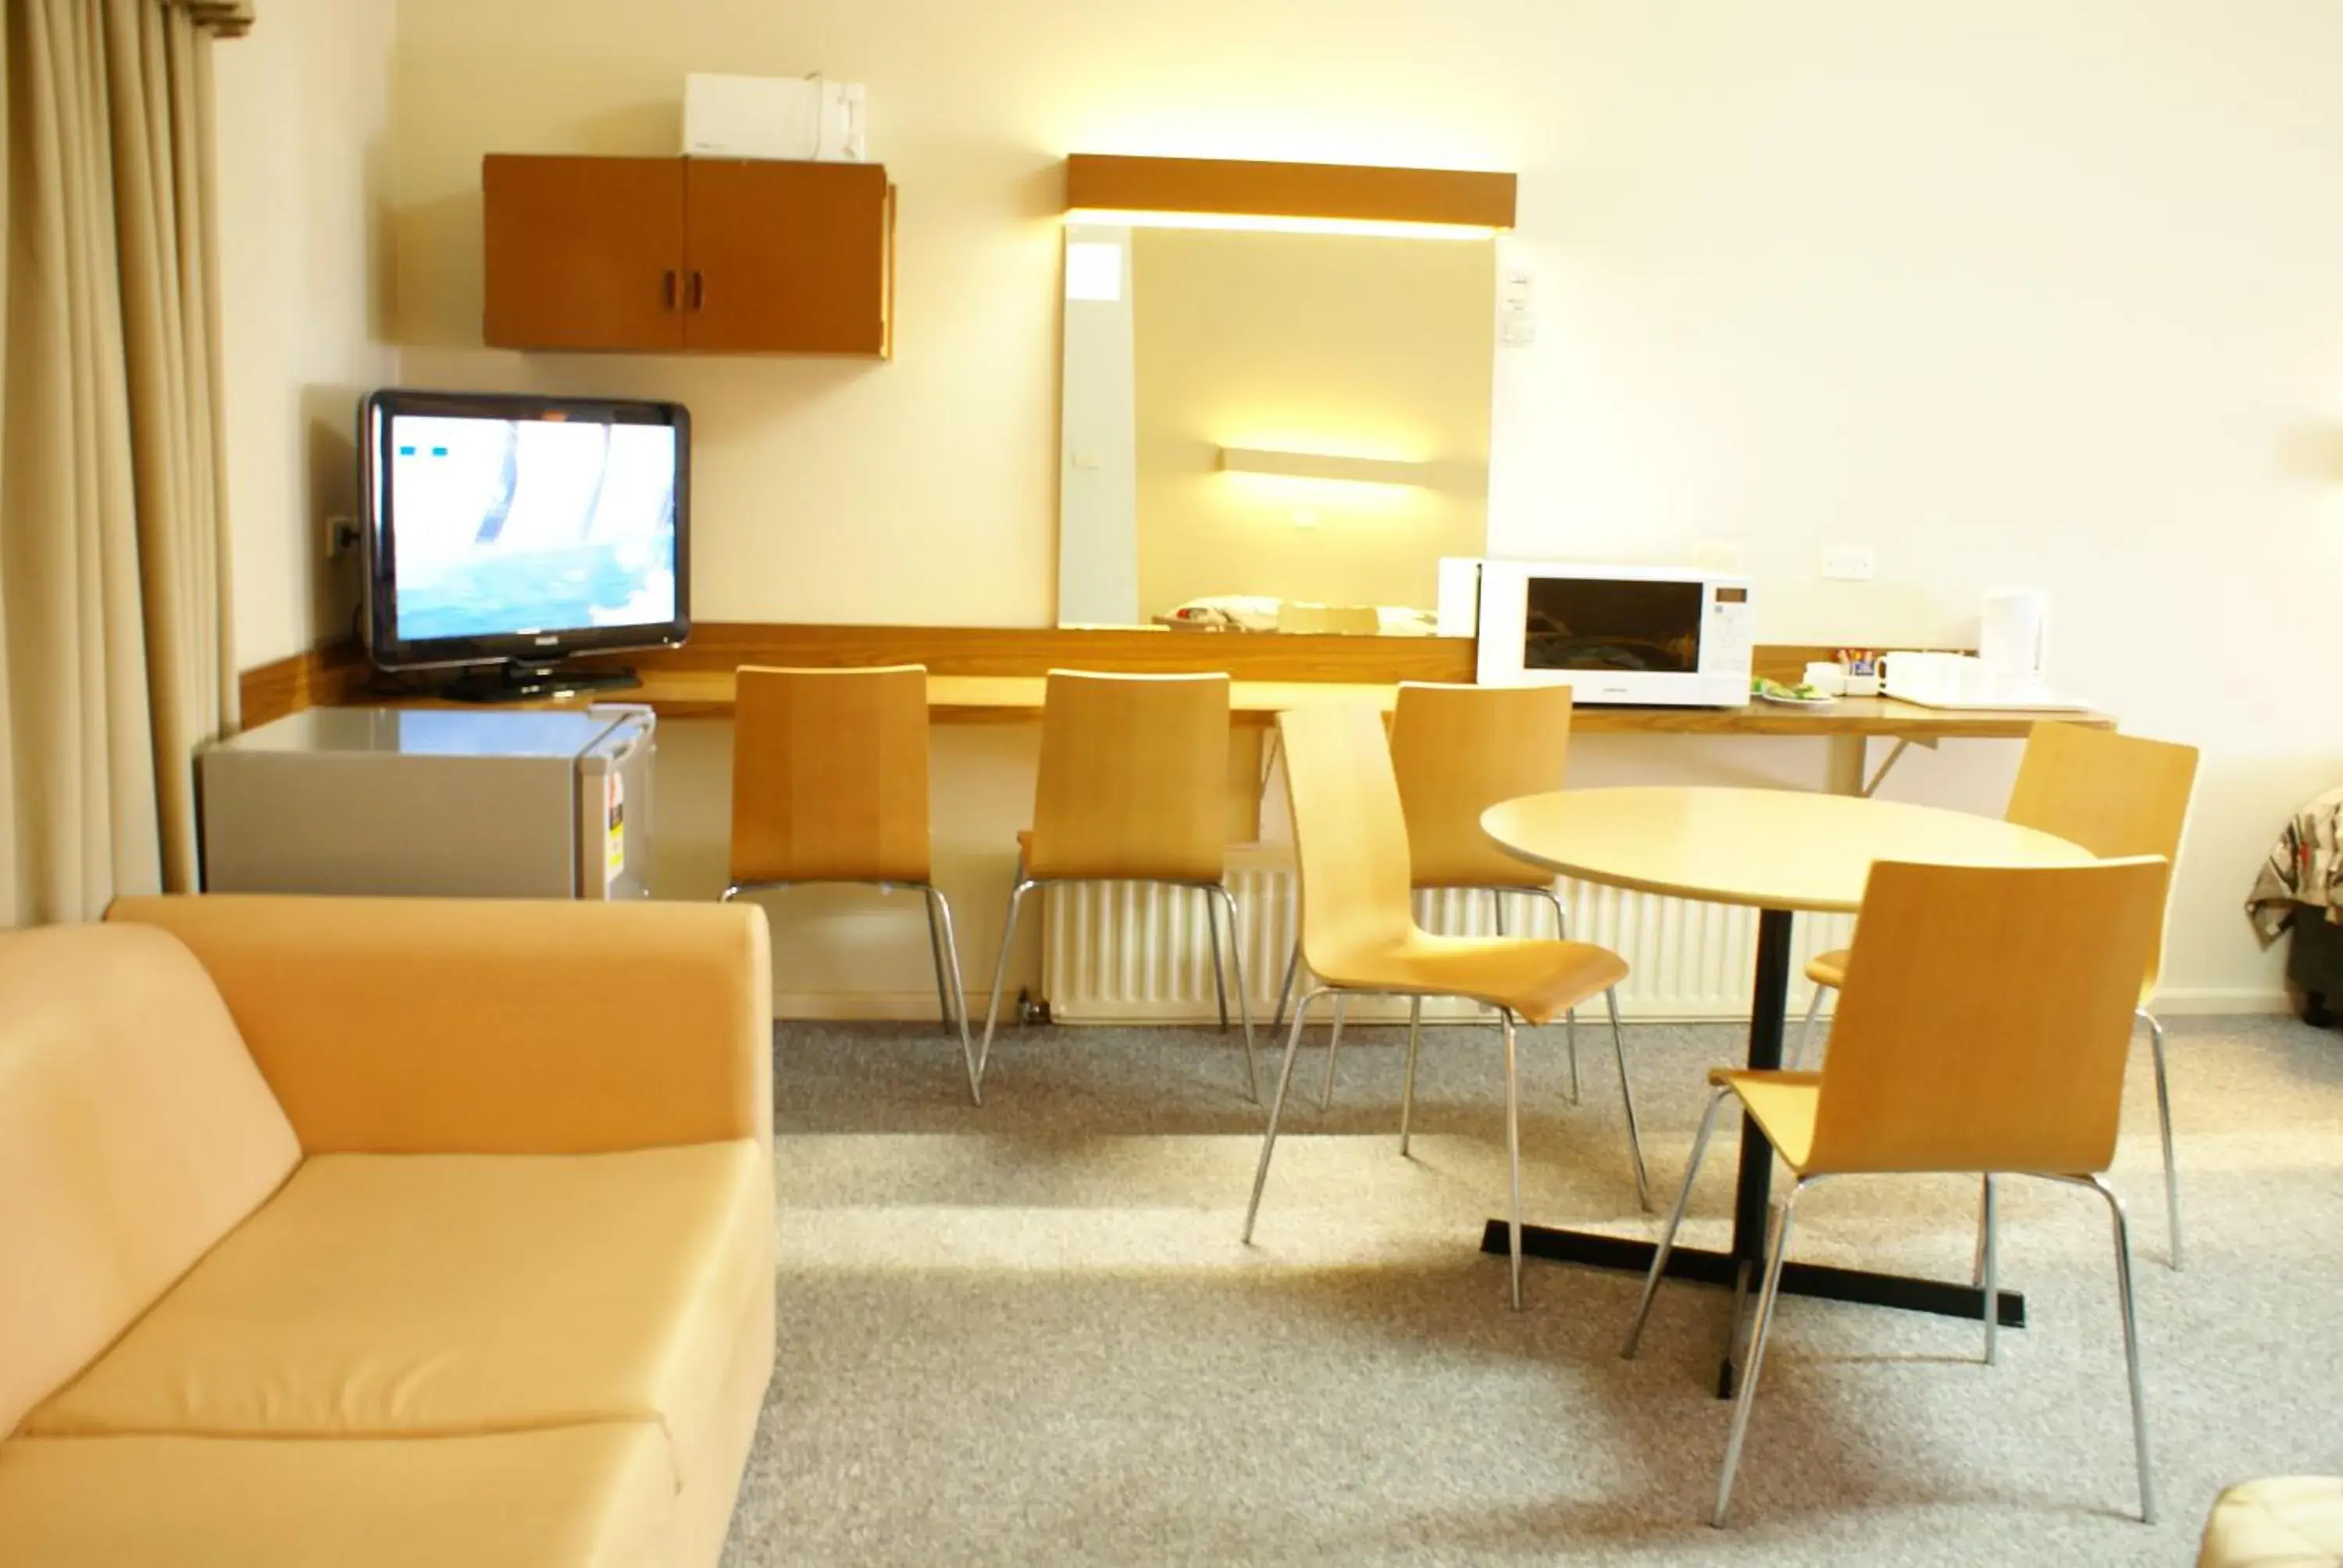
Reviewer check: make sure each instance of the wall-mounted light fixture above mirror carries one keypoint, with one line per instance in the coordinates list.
(1324, 198)
(1276, 396)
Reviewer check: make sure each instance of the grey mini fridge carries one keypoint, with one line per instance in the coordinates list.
(464, 802)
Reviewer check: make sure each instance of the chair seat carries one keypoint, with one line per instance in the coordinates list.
(406, 1296)
(2285, 1521)
(596, 1496)
(1536, 979)
(1782, 1104)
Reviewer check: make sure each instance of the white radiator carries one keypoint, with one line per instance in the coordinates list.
(1133, 952)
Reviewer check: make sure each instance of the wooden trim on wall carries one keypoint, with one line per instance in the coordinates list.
(1009, 650)
(321, 678)
(1355, 192)
(338, 672)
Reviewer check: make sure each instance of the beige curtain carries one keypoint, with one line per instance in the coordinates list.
(114, 563)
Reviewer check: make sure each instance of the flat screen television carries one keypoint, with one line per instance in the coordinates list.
(505, 533)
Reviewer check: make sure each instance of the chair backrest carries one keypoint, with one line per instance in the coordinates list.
(829, 775)
(2113, 794)
(1459, 749)
(1350, 839)
(1359, 619)
(1986, 1018)
(136, 1131)
(1134, 778)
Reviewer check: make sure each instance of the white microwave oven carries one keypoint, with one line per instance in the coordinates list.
(1647, 634)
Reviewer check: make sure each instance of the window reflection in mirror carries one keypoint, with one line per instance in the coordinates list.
(1272, 431)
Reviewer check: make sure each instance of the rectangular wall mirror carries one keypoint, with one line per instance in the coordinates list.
(1272, 421)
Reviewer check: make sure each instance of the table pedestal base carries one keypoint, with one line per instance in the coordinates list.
(1701, 1266)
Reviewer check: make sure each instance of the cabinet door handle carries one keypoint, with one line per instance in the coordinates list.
(699, 288)
(667, 290)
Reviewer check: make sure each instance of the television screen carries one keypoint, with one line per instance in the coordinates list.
(506, 524)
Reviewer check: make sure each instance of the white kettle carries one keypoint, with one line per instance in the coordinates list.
(2013, 643)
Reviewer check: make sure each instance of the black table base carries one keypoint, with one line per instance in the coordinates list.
(1753, 1195)
(1701, 1266)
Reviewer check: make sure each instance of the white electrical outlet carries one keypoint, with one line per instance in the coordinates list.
(1517, 305)
(1849, 564)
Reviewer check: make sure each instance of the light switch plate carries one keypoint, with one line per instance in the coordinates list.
(1849, 564)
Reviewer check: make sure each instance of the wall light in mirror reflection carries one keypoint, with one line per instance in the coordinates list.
(1270, 224)
(1463, 479)
(1306, 502)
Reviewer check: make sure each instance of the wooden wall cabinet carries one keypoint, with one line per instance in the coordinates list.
(710, 255)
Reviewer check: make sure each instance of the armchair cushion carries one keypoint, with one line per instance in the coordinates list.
(134, 1132)
(440, 1026)
(578, 1497)
(453, 1295)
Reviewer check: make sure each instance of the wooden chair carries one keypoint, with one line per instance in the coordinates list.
(829, 784)
(1134, 787)
(1358, 924)
(1458, 750)
(1983, 1030)
(2115, 795)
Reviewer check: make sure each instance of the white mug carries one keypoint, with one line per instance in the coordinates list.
(1830, 680)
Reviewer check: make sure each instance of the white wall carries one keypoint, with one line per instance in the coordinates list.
(2009, 292)
(304, 126)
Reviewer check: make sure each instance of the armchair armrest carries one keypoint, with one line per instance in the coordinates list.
(493, 1026)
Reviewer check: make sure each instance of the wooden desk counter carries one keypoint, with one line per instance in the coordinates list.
(991, 676)
(1017, 699)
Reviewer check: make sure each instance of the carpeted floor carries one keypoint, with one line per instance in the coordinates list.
(1029, 1334)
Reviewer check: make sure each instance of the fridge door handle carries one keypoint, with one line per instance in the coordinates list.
(640, 717)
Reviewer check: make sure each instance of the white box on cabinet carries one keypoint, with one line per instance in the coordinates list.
(800, 118)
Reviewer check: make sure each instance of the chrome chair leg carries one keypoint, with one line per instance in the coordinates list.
(2164, 1122)
(1570, 1017)
(1984, 1236)
(1286, 987)
(1497, 908)
(1000, 975)
(1989, 1277)
(1512, 1153)
(1407, 1084)
(1784, 1217)
(2127, 1299)
(1277, 1106)
(1675, 1217)
(935, 952)
(1805, 1048)
(940, 930)
(1627, 1095)
(1333, 1044)
(1236, 972)
(1220, 979)
(2125, 1288)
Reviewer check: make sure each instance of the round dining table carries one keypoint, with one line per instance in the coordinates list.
(1781, 852)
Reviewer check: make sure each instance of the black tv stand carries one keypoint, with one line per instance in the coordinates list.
(513, 681)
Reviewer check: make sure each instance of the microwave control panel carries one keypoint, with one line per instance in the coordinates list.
(1728, 642)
